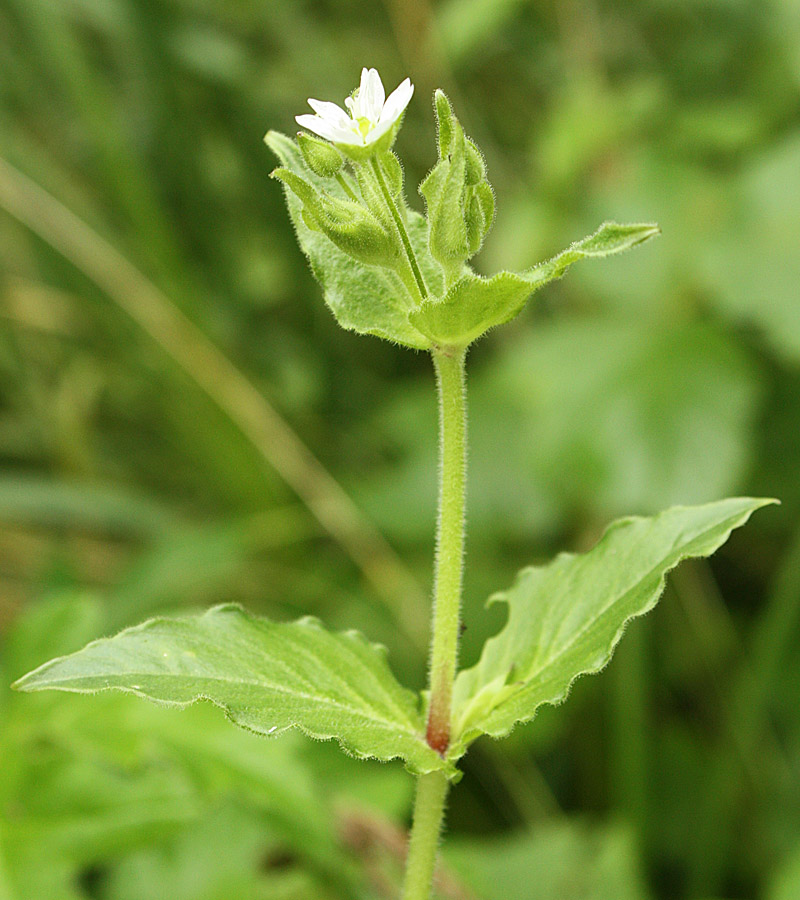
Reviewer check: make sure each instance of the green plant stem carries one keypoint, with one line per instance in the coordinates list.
(398, 221)
(432, 788)
(346, 187)
(424, 842)
(450, 380)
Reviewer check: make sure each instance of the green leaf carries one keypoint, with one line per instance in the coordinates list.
(471, 307)
(609, 238)
(475, 304)
(566, 618)
(365, 299)
(267, 676)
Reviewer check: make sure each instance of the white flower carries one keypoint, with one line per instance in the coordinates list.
(370, 116)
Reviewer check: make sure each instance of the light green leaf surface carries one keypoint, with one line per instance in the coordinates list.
(474, 304)
(365, 299)
(784, 884)
(267, 676)
(471, 307)
(566, 618)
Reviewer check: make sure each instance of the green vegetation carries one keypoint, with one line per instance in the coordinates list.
(183, 424)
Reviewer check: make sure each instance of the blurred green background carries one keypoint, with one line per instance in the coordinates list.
(183, 423)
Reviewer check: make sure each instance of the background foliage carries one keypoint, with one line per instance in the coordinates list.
(182, 423)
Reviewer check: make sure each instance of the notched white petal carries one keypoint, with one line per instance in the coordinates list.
(371, 95)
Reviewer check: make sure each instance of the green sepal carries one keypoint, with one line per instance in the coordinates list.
(479, 215)
(321, 157)
(458, 199)
(393, 171)
(476, 165)
(364, 299)
(350, 226)
(475, 304)
(384, 144)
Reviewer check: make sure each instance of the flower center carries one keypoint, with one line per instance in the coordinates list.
(364, 125)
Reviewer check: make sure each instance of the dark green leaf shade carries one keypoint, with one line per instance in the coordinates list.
(266, 676)
(565, 618)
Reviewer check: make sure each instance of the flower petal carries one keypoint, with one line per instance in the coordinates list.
(371, 94)
(328, 130)
(378, 131)
(397, 101)
(330, 111)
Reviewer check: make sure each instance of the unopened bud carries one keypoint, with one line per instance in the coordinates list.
(321, 157)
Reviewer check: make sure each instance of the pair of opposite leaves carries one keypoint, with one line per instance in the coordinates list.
(564, 619)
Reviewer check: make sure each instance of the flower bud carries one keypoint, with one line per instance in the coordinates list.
(349, 225)
(321, 157)
(458, 198)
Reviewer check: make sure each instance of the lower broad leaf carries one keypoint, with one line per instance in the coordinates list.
(566, 618)
(267, 676)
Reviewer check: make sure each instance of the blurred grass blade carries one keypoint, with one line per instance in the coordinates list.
(43, 501)
(228, 387)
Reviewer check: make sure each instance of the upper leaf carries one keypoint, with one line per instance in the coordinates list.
(267, 677)
(566, 618)
(474, 304)
(609, 238)
(365, 299)
(471, 307)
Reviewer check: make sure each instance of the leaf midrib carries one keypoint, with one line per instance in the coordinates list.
(564, 648)
(280, 689)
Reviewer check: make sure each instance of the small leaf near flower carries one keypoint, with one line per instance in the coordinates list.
(475, 304)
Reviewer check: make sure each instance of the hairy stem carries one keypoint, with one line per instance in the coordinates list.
(346, 187)
(450, 379)
(398, 221)
(432, 788)
(424, 842)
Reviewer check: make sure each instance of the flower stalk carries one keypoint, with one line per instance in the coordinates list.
(405, 240)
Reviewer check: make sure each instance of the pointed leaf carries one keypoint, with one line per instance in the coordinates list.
(566, 618)
(609, 238)
(475, 304)
(267, 676)
(365, 299)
